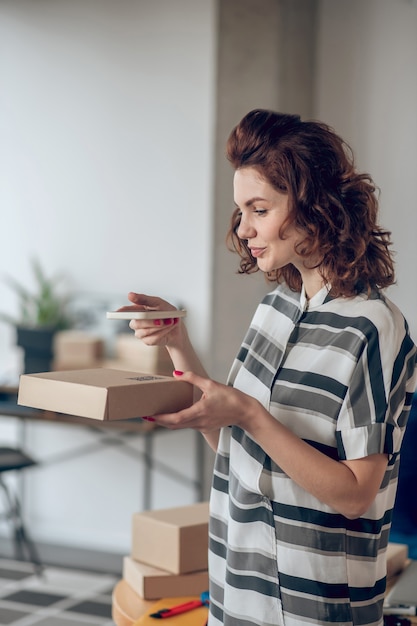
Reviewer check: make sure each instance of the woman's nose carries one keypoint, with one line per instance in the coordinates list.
(245, 230)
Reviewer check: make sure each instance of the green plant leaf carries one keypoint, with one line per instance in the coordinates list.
(45, 307)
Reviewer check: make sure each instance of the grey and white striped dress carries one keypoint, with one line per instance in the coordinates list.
(340, 375)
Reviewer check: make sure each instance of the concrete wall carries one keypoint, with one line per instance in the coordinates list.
(366, 88)
(266, 53)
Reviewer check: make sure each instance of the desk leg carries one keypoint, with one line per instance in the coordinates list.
(22, 440)
(200, 465)
(147, 473)
(149, 466)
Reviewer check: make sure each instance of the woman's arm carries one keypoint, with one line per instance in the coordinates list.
(349, 487)
(186, 359)
(172, 334)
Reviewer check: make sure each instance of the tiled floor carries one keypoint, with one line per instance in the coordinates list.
(61, 597)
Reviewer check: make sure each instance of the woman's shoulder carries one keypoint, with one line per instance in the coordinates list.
(374, 309)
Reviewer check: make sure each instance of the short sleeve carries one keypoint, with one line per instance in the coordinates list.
(374, 413)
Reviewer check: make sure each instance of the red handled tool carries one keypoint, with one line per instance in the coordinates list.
(182, 608)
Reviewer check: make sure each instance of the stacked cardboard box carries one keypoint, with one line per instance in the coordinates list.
(80, 350)
(169, 552)
(130, 353)
(75, 349)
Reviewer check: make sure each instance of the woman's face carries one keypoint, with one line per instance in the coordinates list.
(263, 211)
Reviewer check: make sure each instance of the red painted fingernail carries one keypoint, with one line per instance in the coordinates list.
(157, 322)
(178, 373)
(168, 321)
(149, 419)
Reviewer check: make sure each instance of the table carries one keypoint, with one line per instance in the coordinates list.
(127, 606)
(108, 433)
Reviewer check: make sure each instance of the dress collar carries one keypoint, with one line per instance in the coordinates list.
(317, 300)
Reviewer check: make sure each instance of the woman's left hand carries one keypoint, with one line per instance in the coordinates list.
(219, 405)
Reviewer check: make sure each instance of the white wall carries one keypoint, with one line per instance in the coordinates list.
(106, 117)
(367, 89)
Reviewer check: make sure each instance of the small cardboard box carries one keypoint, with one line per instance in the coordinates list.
(150, 359)
(175, 540)
(104, 394)
(74, 349)
(151, 583)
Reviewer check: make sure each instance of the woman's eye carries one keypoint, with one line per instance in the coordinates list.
(260, 211)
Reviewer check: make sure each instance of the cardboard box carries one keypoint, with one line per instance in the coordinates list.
(104, 394)
(74, 349)
(152, 583)
(150, 359)
(397, 555)
(175, 539)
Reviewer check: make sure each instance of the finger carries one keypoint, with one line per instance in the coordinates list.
(172, 421)
(155, 324)
(132, 307)
(198, 381)
(191, 417)
(143, 300)
(161, 327)
(152, 336)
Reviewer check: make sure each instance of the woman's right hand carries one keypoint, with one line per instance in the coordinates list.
(154, 332)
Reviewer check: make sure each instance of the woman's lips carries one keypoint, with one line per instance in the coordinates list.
(255, 252)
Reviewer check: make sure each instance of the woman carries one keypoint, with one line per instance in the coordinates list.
(308, 429)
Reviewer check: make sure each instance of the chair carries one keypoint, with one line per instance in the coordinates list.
(14, 459)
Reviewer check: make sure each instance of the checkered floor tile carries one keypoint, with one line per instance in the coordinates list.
(60, 597)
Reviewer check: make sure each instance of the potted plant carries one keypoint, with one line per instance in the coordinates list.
(41, 314)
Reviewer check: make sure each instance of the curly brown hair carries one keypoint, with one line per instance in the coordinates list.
(333, 204)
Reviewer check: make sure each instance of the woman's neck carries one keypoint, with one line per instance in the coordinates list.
(313, 281)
